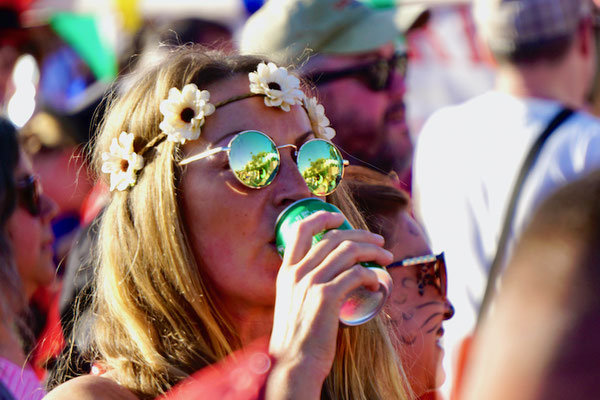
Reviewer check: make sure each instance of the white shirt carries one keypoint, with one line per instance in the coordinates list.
(467, 158)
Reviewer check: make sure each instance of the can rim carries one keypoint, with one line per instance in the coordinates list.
(285, 210)
(385, 286)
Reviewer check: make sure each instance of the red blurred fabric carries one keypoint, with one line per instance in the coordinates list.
(94, 202)
(19, 5)
(435, 395)
(50, 341)
(241, 376)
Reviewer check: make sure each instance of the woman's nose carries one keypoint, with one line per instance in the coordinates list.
(289, 183)
(48, 208)
(448, 309)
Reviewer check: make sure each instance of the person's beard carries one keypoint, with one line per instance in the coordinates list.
(383, 146)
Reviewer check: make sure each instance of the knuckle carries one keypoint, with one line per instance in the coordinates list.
(333, 235)
(349, 246)
(296, 274)
(303, 227)
(328, 291)
(362, 273)
(311, 281)
(359, 271)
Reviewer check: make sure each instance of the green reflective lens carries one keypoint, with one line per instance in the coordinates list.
(321, 166)
(254, 159)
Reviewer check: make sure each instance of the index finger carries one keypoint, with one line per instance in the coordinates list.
(301, 240)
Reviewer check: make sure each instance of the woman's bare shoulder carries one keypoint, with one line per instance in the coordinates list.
(90, 387)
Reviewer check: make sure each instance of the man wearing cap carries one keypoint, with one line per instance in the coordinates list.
(468, 156)
(354, 61)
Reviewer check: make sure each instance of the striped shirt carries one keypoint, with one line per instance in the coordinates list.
(20, 381)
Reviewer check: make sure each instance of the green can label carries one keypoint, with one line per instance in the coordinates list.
(361, 304)
(299, 210)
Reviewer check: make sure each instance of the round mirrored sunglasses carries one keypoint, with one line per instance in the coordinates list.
(254, 159)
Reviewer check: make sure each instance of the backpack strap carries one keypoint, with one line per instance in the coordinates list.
(532, 156)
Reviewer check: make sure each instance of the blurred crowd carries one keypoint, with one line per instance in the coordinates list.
(472, 134)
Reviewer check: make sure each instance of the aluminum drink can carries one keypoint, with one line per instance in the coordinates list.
(362, 304)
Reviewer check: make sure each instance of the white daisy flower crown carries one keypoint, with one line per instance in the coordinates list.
(185, 111)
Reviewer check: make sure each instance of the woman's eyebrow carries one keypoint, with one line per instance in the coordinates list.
(299, 141)
(302, 138)
(228, 135)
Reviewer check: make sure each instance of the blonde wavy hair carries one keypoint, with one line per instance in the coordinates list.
(155, 318)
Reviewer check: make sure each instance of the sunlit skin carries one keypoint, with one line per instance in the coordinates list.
(370, 125)
(416, 319)
(293, 301)
(232, 227)
(31, 238)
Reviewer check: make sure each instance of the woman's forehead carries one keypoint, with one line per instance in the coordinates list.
(251, 114)
(228, 88)
(408, 238)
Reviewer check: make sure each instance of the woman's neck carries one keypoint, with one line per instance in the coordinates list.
(251, 323)
(543, 81)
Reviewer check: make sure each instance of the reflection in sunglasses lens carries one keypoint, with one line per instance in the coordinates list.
(321, 166)
(431, 270)
(254, 159)
(443, 277)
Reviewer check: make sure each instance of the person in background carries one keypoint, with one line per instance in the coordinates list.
(540, 340)
(468, 156)
(56, 152)
(55, 142)
(25, 259)
(356, 58)
(188, 270)
(418, 305)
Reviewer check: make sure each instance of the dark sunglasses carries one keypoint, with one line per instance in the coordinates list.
(254, 159)
(431, 271)
(29, 195)
(376, 75)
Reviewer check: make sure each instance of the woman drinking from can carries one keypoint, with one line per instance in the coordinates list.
(202, 152)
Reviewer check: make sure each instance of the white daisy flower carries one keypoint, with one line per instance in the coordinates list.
(279, 87)
(316, 113)
(122, 163)
(184, 113)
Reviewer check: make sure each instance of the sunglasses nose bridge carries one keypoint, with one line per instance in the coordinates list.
(290, 182)
(395, 69)
(294, 152)
(293, 146)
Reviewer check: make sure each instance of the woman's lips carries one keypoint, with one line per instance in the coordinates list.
(440, 334)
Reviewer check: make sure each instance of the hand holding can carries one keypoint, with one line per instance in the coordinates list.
(362, 304)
